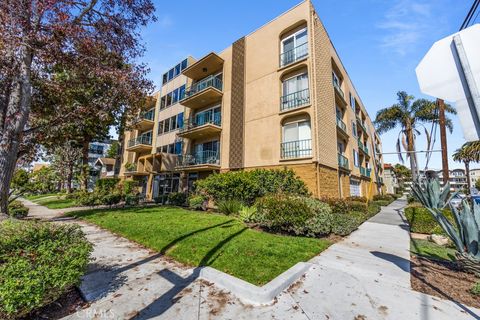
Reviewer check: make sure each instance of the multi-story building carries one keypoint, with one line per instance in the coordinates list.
(278, 97)
(456, 177)
(97, 150)
(390, 179)
(474, 177)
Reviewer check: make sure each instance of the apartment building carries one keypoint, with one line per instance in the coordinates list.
(276, 98)
(390, 179)
(456, 177)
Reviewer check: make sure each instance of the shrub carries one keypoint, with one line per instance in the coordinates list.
(129, 186)
(338, 205)
(247, 186)
(40, 261)
(382, 203)
(372, 209)
(161, 199)
(247, 214)
(475, 290)
(383, 197)
(321, 222)
(106, 185)
(357, 199)
(89, 199)
(422, 221)
(74, 195)
(111, 199)
(17, 210)
(132, 199)
(411, 199)
(197, 202)
(229, 207)
(344, 224)
(357, 206)
(177, 198)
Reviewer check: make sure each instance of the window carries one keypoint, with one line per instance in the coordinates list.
(355, 190)
(181, 93)
(165, 78)
(356, 160)
(163, 102)
(352, 101)
(295, 84)
(166, 125)
(177, 70)
(336, 80)
(178, 147)
(169, 99)
(173, 124)
(170, 74)
(294, 47)
(180, 120)
(297, 140)
(174, 96)
(354, 129)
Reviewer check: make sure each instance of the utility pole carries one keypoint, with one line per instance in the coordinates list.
(443, 139)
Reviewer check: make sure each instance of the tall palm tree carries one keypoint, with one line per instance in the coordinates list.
(469, 152)
(410, 115)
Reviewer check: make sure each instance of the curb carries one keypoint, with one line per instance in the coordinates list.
(253, 294)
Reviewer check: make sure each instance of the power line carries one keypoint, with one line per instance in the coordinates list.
(470, 14)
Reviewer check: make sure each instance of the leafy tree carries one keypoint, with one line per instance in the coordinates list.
(469, 152)
(44, 180)
(409, 115)
(113, 150)
(403, 173)
(66, 158)
(47, 48)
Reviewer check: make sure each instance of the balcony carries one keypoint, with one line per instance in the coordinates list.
(296, 149)
(142, 143)
(339, 95)
(343, 162)
(209, 64)
(295, 100)
(203, 160)
(342, 128)
(362, 124)
(203, 93)
(145, 121)
(205, 124)
(363, 147)
(365, 172)
(296, 54)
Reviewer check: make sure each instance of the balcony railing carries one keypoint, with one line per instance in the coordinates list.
(201, 119)
(296, 149)
(343, 162)
(339, 90)
(143, 139)
(341, 124)
(295, 100)
(149, 115)
(201, 85)
(199, 158)
(294, 54)
(365, 172)
(362, 146)
(361, 123)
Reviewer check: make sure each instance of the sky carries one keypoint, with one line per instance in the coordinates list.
(380, 42)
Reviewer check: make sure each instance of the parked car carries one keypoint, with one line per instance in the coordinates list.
(476, 198)
(457, 200)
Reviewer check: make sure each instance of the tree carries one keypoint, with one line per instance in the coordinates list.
(44, 180)
(410, 115)
(65, 159)
(41, 42)
(112, 152)
(469, 152)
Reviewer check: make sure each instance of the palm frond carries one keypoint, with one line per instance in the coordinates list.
(388, 118)
(399, 150)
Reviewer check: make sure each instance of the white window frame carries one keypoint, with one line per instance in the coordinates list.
(295, 76)
(296, 122)
(294, 38)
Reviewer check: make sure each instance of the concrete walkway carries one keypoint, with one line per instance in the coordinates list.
(365, 276)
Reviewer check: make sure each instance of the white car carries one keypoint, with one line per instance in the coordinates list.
(457, 200)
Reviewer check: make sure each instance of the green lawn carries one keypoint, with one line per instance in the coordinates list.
(431, 250)
(57, 203)
(34, 197)
(204, 239)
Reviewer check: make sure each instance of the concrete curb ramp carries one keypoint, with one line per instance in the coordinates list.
(251, 293)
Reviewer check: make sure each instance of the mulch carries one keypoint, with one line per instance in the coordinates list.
(443, 279)
(67, 304)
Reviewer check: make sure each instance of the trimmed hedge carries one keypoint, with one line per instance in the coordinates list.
(39, 261)
(106, 185)
(17, 210)
(357, 199)
(247, 186)
(422, 221)
(177, 198)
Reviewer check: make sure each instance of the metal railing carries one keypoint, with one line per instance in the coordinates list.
(142, 139)
(361, 123)
(296, 149)
(362, 146)
(294, 54)
(198, 158)
(341, 124)
(339, 90)
(200, 119)
(210, 81)
(365, 172)
(343, 161)
(294, 100)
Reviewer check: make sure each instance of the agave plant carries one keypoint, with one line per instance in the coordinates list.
(466, 232)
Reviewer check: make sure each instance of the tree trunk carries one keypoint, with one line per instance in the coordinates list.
(85, 166)
(69, 178)
(17, 113)
(411, 153)
(467, 172)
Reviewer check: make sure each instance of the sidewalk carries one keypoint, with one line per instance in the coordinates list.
(365, 276)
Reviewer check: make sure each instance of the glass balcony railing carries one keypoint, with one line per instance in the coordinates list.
(149, 115)
(362, 146)
(208, 82)
(341, 124)
(343, 162)
(200, 119)
(293, 55)
(296, 149)
(143, 139)
(199, 158)
(295, 100)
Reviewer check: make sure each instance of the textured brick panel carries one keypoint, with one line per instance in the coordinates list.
(237, 118)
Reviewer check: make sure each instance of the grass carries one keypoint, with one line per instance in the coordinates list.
(431, 250)
(57, 203)
(34, 197)
(202, 239)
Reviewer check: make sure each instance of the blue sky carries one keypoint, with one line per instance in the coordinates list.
(379, 41)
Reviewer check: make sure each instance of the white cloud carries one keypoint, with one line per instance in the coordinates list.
(405, 24)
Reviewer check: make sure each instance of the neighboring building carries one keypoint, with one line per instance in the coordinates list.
(96, 150)
(279, 97)
(474, 176)
(390, 179)
(457, 178)
(105, 167)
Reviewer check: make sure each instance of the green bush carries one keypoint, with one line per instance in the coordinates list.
(357, 199)
(475, 290)
(111, 199)
(321, 222)
(132, 199)
(228, 207)
(17, 210)
(338, 205)
(344, 224)
(411, 199)
(106, 185)
(383, 197)
(161, 199)
(382, 203)
(247, 186)
(39, 262)
(177, 198)
(372, 209)
(129, 186)
(196, 202)
(422, 221)
(89, 199)
(75, 195)
(247, 214)
(357, 206)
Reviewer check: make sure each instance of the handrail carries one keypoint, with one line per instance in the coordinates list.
(296, 149)
(295, 99)
(293, 55)
(210, 81)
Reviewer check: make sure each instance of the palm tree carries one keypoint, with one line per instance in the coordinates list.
(410, 114)
(469, 152)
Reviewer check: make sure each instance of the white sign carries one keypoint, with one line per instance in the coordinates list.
(451, 71)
